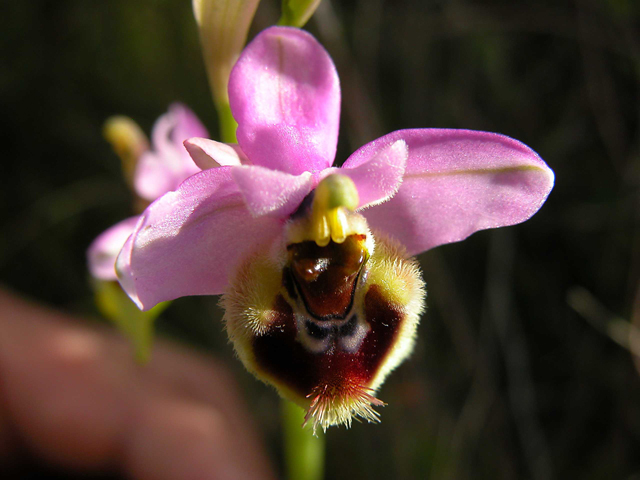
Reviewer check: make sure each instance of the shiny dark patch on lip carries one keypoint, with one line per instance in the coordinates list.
(326, 277)
(279, 355)
(287, 281)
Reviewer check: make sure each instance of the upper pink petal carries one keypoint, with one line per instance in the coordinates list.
(155, 177)
(187, 124)
(103, 251)
(377, 172)
(189, 241)
(285, 95)
(456, 183)
(211, 154)
(168, 163)
(271, 192)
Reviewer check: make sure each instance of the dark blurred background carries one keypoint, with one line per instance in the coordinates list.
(523, 368)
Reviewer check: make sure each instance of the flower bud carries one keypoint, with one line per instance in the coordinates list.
(223, 26)
(128, 141)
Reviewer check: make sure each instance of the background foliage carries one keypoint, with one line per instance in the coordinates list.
(515, 374)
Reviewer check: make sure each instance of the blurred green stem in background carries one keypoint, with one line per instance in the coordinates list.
(304, 452)
(135, 324)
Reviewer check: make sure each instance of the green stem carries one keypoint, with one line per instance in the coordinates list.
(144, 339)
(304, 452)
(295, 13)
(228, 124)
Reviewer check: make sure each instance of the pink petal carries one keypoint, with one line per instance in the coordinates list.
(271, 192)
(187, 124)
(105, 248)
(377, 172)
(211, 154)
(155, 177)
(188, 242)
(456, 183)
(285, 95)
(163, 168)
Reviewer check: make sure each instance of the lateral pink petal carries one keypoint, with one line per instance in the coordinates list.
(103, 251)
(211, 154)
(189, 241)
(377, 172)
(458, 182)
(285, 95)
(271, 192)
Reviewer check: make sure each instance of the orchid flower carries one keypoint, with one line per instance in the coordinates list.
(314, 262)
(151, 173)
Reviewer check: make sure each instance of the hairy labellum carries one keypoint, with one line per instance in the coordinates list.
(326, 324)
